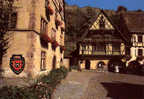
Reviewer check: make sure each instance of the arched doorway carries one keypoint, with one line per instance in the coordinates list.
(87, 64)
(100, 64)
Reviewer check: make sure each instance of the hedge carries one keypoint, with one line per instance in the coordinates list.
(43, 88)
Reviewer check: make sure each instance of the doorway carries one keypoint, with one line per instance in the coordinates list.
(87, 64)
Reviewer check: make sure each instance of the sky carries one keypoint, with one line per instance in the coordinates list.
(109, 4)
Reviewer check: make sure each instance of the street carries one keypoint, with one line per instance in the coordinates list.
(100, 85)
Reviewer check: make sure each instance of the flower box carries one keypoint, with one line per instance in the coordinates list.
(45, 37)
(58, 22)
(55, 43)
(50, 10)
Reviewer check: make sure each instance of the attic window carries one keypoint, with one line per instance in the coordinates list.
(102, 22)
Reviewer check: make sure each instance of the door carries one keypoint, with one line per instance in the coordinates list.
(87, 64)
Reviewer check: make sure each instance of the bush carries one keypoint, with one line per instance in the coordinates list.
(43, 88)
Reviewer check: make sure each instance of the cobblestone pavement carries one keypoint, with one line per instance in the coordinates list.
(100, 85)
(73, 86)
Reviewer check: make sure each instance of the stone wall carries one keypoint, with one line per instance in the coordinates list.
(25, 39)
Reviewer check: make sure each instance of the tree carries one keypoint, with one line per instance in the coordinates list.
(121, 9)
(5, 12)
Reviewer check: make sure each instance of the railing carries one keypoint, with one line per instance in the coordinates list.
(100, 53)
(138, 44)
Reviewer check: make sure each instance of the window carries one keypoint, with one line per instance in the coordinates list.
(83, 48)
(140, 52)
(139, 38)
(13, 21)
(102, 22)
(99, 47)
(116, 47)
(43, 60)
(43, 26)
(54, 62)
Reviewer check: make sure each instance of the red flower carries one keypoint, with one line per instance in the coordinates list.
(45, 37)
(50, 10)
(55, 43)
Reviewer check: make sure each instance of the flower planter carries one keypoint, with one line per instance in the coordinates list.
(54, 44)
(44, 40)
(45, 37)
(58, 22)
(50, 10)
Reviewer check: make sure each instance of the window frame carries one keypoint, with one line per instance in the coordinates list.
(140, 38)
(140, 52)
(43, 61)
(43, 25)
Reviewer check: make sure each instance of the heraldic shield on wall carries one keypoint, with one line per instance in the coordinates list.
(17, 63)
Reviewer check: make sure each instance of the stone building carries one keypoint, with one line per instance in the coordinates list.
(37, 34)
(105, 38)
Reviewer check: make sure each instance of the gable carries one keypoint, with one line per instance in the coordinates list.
(100, 21)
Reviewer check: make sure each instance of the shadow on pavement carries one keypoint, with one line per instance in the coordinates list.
(119, 90)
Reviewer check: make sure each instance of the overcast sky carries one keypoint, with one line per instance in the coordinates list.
(109, 4)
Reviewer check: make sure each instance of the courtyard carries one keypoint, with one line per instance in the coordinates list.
(100, 85)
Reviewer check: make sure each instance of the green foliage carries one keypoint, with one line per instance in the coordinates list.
(5, 11)
(43, 88)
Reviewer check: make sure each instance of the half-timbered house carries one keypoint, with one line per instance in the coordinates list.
(101, 42)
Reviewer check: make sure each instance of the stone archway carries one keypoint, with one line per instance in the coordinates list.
(87, 64)
(100, 64)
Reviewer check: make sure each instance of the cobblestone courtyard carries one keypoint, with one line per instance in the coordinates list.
(100, 85)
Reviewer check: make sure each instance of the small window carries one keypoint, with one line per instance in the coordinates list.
(116, 47)
(102, 23)
(139, 38)
(13, 20)
(54, 62)
(140, 52)
(43, 26)
(83, 47)
(43, 60)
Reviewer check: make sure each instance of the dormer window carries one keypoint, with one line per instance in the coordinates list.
(102, 22)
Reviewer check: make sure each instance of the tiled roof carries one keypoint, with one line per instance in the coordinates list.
(134, 21)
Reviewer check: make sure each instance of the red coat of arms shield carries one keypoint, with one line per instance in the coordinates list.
(17, 63)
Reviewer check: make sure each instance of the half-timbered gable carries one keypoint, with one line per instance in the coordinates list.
(105, 40)
(101, 42)
(102, 22)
